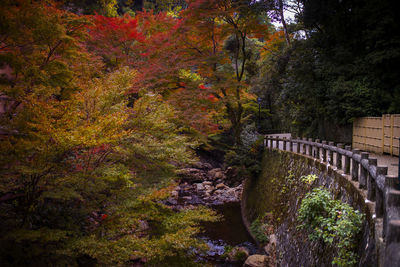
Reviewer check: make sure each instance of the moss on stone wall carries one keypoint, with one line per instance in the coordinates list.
(278, 191)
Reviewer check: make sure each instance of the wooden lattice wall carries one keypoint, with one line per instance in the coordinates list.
(377, 134)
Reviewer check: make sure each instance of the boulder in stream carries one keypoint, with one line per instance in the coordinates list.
(257, 260)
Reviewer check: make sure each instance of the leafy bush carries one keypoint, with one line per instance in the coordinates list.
(334, 222)
(247, 158)
(259, 230)
(308, 179)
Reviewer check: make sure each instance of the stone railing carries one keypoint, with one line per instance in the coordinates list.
(379, 188)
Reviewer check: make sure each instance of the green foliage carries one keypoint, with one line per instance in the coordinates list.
(246, 158)
(80, 168)
(308, 179)
(337, 72)
(259, 230)
(144, 229)
(332, 221)
(240, 255)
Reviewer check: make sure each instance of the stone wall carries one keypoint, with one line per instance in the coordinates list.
(278, 192)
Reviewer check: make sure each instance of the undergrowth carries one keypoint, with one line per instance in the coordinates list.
(335, 223)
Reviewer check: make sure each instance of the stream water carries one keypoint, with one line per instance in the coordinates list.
(230, 231)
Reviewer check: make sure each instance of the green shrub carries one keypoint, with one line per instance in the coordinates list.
(332, 221)
(259, 231)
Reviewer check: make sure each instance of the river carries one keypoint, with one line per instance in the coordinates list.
(229, 232)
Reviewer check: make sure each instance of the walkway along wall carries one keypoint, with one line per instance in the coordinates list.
(350, 175)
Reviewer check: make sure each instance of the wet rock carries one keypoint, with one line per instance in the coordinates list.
(195, 200)
(198, 165)
(211, 173)
(257, 260)
(207, 183)
(230, 191)
(220, 186)
(209, 188)
(270, 248)
(202, 165)
(218, 192)
(207, 165)
(219, 175)
(175, 193)
(171, 201)
(191, 175)
(199, 187)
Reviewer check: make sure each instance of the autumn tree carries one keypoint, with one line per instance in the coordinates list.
(219, 34)
(204, 51)
(81, 169)
(114, 39)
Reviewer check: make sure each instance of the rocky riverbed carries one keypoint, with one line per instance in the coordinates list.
(204, 185)
(230, 244)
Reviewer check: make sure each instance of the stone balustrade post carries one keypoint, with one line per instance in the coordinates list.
(347, 161)
(393, 228)
(290, 144)
(355, 167)
(298, 145)
(310, 147)
(323, 151)
(363, 172)
(380, 170)
(391, 199)
(316, 154)
(304, 146)
(330, 154)
(339, 157)
(371, 185)
(270, 142)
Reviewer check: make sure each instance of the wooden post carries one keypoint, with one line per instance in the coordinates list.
(371, 186)
(363, 171)
(383, 133)
(391, 135)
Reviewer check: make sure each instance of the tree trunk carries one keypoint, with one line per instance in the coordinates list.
(281, 13)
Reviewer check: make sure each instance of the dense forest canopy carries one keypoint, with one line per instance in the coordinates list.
(102, 101)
